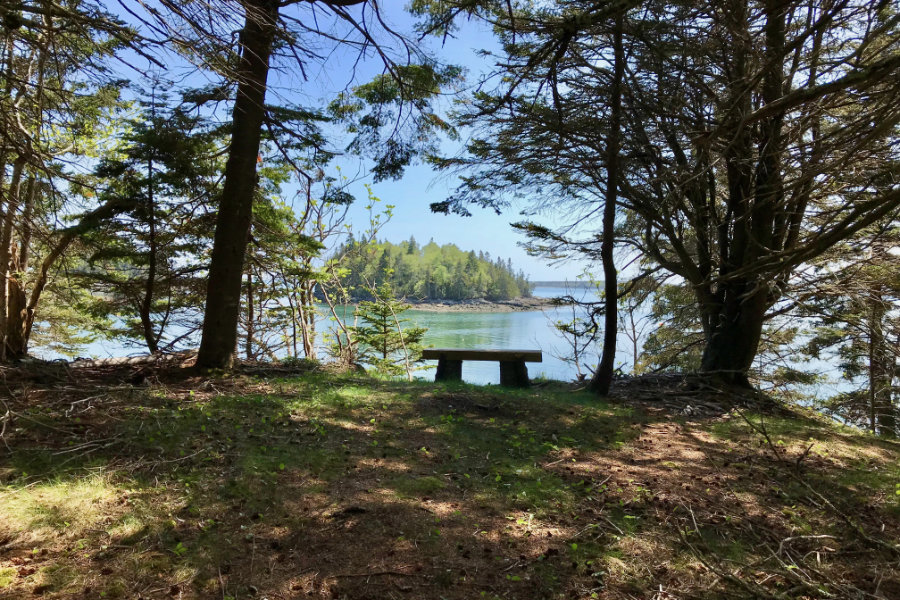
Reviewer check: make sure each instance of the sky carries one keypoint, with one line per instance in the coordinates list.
(420, 185)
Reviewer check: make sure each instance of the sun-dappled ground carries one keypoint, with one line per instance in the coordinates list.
(341, 486)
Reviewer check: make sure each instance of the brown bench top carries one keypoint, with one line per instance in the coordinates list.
(485, 355)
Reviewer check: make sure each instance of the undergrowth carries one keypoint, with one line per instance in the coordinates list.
(332, 486)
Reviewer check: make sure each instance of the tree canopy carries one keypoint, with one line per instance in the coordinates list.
(754, 137)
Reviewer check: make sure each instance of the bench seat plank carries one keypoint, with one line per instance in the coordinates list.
(482, 355)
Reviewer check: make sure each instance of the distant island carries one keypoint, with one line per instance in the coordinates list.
(431, 273)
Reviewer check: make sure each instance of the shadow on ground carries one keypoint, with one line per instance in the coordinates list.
(346, 487)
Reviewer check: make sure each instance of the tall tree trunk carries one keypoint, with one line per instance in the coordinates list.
(734, 340)
(737, 317)
(296, 314)
(306, 312)
(603, 376)
(13, 196)
(883, 419)
(248, 344)
(17, 315)
(223, 294)
(146, 307)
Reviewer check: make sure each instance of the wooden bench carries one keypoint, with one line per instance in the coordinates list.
(512, 363)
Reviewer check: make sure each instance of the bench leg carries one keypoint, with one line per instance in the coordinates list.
(513, 373)
(448, 370)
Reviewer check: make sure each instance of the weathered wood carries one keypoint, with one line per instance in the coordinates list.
(513, 373)
(448, 370)
(482, 355)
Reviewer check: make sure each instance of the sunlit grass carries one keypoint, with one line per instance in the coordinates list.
(537, 488)
(59, 508)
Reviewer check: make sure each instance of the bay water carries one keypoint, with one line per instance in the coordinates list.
(521, 330)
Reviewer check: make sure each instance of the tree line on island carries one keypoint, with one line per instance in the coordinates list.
(747, 176)
(430, 272)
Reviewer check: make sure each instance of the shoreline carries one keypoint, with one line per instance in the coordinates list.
(481, 305)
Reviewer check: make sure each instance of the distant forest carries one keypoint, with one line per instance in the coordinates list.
(430, 272)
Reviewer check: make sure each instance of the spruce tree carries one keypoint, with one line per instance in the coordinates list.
(385, 343)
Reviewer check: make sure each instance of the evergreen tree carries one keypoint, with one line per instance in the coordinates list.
(432, 272)
(58, 96)
(735, 145)
(854, 309)
(385, 343)
(145, 266)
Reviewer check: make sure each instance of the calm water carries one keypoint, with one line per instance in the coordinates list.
(527, 330)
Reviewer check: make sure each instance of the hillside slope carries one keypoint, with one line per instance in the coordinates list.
(334, 486)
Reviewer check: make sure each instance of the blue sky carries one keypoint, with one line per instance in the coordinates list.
(420, 185)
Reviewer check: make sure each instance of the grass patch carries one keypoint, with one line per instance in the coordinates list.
(417, 487)
(58, 507)
(251, 487)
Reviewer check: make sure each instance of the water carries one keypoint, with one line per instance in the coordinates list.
(525, 330)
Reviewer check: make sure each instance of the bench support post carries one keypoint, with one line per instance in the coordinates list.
(448, 370)
(513, 373)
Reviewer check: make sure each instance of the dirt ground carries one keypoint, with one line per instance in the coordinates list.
(132, 482)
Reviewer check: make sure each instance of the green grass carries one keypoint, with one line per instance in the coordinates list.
(545, 492)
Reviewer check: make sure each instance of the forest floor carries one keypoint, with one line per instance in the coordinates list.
(277, 485)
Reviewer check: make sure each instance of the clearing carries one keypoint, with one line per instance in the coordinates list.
(323, 485)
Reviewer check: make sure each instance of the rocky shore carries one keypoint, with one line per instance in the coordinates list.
(481, 305)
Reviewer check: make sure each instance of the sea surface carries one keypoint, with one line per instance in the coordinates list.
(523, 330)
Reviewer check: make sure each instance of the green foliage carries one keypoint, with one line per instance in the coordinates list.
(377, 111)
(67, 323)
(430, 272)
(382, 335)
(855, 324)
(385, 343)
(145, 266)
(677, 342)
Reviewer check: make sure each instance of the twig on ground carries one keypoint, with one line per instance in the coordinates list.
(801, 537)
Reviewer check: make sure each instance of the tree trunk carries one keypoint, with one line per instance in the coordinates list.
(603, 376)
(17, 313)
(13, 194)
(737, 310)
(248, 344)
(223, 294)
(307, 313)
(736, 332)
(880, 373)
(146, 306)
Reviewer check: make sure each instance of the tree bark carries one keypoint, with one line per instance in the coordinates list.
(737, 312)
(883, 416)
(734, 340)
(146, 307)
(248, 344)
(17, 313)
(223, 295)
(603, 376)
(13, 195)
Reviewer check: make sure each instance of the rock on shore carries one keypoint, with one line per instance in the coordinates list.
(481, 305)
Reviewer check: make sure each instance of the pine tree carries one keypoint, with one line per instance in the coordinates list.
(144, 266)
(385, 343)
